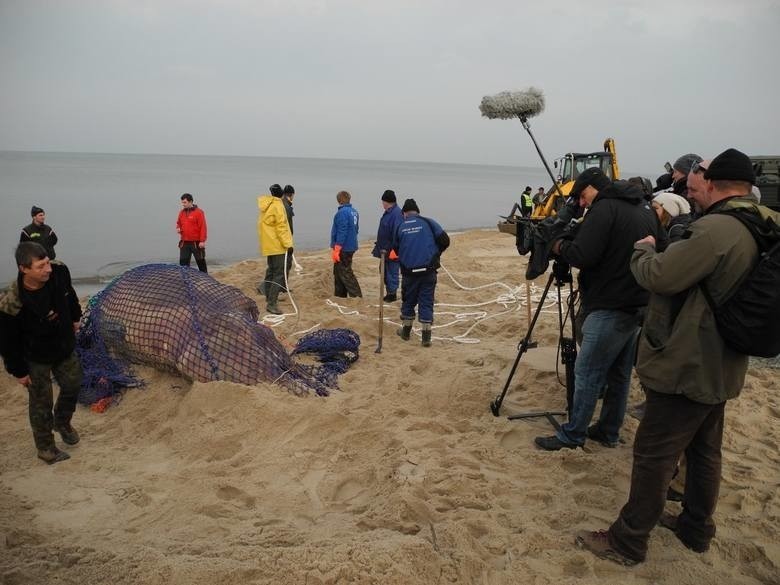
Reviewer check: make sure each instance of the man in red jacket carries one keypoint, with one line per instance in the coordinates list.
(191, 226)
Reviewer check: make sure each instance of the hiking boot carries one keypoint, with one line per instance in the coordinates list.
(553, 444)
(390, 297)
(669, 521)
(597, 542)
(638, 411)
(52, 455)
(273, 309)
(405, 332)
(596, 434)
(69, 435)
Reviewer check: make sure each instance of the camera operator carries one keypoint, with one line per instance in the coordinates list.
(611, 304)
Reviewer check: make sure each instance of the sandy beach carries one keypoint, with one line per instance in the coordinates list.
(402, 476)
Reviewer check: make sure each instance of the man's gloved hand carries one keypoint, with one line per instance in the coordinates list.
(336, 254)
(392, 255)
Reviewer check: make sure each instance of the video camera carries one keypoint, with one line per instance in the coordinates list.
(538, 237)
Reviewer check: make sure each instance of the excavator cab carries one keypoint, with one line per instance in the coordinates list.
(570, 166)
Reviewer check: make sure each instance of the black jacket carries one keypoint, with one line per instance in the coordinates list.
(40, 234)
(604, 243)
(27, 334)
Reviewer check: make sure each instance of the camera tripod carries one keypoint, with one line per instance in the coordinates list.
(560, 275)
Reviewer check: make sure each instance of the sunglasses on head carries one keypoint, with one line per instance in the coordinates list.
(698, 167)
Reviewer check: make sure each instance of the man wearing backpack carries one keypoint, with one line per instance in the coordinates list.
(686, 366)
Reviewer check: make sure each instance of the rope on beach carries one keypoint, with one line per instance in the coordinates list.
(178, 319)
(512, 300)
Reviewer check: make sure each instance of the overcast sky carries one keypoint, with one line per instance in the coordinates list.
(389, 80)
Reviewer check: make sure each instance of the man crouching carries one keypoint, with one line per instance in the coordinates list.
(39, 318)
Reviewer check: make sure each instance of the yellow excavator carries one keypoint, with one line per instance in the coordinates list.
(570, 166)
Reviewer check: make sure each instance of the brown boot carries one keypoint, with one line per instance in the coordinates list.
(597, 542)
(52, 455)
(69, 435)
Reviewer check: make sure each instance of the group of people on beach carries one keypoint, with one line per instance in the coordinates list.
(409, 244)
(652, 262)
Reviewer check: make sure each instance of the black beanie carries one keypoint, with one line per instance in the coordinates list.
(35, 210)
(686, 162)
(276, 190)
(410, 205)
(289, 190)
(593, 177)
(731, 165)
(389, 196)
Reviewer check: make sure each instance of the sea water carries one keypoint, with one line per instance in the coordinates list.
(115, 211)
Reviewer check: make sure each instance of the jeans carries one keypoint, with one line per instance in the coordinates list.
(672, 424)
(605, 359)
(417, 290)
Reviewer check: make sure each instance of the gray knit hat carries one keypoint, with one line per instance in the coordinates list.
(686, 162)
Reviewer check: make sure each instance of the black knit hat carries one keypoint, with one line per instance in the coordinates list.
(289, 190)
(731, 165)
(410, 205)
(686, 162)
(389, 196)
(276, 190)
(593, 177)
(35, 210)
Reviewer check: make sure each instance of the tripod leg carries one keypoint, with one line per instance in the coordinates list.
(495, 405)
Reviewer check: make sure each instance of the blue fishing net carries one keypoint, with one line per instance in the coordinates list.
(177, 319)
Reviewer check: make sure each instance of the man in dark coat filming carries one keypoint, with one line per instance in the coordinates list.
(611, 303)
(39, 318)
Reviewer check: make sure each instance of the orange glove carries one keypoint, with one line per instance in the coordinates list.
(336, 254)
(392, 255)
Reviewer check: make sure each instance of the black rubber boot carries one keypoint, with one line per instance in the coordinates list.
(426, 336)
(405, 332)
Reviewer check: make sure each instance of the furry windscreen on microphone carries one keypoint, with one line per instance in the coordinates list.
(513, 104)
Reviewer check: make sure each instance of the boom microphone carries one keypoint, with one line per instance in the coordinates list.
(513, 104)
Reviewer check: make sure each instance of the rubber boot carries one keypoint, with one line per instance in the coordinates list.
(426, 335)
(405, 332)
(273, 309)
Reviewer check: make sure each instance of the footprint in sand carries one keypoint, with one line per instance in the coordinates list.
(513, 439)
(233, 494)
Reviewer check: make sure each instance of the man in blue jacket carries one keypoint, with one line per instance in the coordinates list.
(344, 243)
(418, 242)
(388, 224)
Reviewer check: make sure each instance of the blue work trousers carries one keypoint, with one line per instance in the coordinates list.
(417, 290)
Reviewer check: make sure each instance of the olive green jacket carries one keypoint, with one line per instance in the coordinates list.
(680, 349)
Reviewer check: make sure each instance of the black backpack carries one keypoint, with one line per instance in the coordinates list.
(749, 320)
